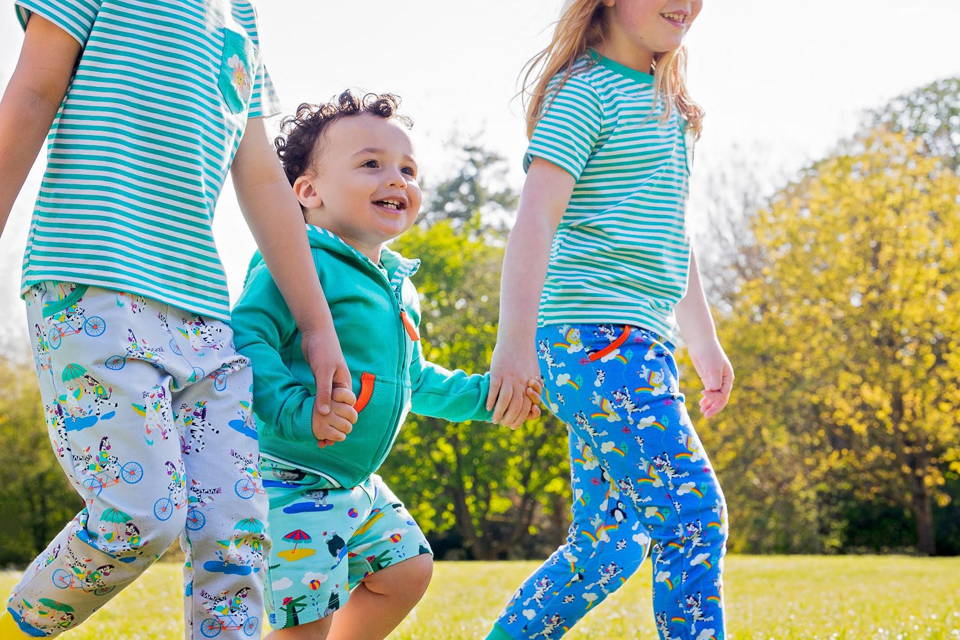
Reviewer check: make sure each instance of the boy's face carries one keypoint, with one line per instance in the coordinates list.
(364, 180)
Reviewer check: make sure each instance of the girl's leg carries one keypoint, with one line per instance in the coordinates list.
(225, 506)
(617, 389)
(97, 384)
(382, 600)
(638, 423)
(605, 545)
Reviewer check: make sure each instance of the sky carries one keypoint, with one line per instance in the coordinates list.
(781, 80)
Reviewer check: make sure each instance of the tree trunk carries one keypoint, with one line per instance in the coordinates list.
(923, 512)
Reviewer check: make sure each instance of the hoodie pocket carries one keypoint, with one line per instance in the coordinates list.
(367, 383)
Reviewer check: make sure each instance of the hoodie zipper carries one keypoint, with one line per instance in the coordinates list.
(405, 329)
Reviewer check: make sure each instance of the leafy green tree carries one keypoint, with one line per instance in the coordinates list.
(36, 500)
(484, 483)
(486, 490)
(478, 187)
(845, 343)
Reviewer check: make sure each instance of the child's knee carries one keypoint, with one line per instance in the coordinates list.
(409, 578)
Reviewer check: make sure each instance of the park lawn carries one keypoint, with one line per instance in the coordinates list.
(768, 598)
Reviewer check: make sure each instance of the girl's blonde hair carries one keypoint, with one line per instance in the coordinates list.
(580, 27)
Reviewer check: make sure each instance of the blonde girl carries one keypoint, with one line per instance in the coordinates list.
(598, 275)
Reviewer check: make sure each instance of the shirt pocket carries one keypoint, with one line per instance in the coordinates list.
(237, 70)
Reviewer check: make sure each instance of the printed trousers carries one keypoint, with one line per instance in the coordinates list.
(148, 409)
(641, 483)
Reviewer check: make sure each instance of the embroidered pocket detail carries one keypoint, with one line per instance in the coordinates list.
(236, 71)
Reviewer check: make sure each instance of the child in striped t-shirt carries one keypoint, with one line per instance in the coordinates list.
(148, 105)
(597, 271)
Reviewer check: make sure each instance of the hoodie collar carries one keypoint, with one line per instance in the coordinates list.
(396, 266)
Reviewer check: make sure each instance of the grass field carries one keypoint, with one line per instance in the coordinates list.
(768, 598)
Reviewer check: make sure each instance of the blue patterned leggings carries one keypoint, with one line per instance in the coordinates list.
(641, 481)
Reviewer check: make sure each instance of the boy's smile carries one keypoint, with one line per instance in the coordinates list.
(362, 184)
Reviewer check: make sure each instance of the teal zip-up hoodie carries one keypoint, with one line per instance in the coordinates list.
(376, 313)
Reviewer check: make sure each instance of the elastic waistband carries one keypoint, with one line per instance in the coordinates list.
(625, 332)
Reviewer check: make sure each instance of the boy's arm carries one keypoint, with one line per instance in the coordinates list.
(441, 393)
(30, 103)
(262, 325)
(274, 217)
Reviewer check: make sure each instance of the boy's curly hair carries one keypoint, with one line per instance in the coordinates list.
(300, 133)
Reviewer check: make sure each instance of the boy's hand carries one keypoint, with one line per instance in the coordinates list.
(532, 396)
(334, 426)
(322, 352)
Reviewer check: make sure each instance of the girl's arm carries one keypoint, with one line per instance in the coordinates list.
(546, 192)
(700, 335)
(273, 214)
(30, 103)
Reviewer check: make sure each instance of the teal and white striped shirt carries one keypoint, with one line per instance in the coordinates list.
(142, 143)
(620, 254)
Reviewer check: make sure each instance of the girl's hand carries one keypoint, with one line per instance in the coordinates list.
(533, 392)
(715, 372)
(511, 370)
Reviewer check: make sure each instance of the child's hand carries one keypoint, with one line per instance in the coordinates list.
(715, 372)
(334, 426)
(532, 395)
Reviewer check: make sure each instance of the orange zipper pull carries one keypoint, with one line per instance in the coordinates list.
(367, 381)
(408, 325)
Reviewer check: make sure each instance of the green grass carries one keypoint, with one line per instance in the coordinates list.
(768, 598)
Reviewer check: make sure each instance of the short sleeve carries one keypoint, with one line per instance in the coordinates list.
(264, 102)
(76, 17)
(569, 128)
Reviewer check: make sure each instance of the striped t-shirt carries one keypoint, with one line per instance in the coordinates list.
(620, 254)
(142, 143)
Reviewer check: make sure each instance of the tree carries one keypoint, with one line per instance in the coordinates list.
(930, 115)
(468, 192)
(479, 488)
(850, 333)
(484, 483)
(36, 500)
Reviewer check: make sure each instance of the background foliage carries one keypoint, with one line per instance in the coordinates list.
(836, 299)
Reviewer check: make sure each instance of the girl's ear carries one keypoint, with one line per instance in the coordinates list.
(307, 193)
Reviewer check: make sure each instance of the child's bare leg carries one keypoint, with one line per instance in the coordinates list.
(382, 600)
(316, 630)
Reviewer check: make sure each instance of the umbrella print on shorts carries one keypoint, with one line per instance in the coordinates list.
(247, 532)
(76, 418)
(244, 424)
(46, 607)
(117, 518)
(249, 525)
(297, 536)
(72, 371)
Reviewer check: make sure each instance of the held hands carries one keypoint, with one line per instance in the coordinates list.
(715, 372)
(334, 426)
(321, 348)
(515, 386)
(531, 397)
